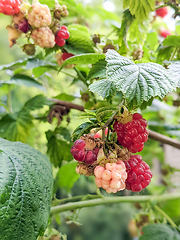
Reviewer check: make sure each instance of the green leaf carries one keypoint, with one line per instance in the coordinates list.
(65, 97)
(67, 176)
(37, 102)
(25, 191)
(164, 53)
(35, 62)
(172, 40)
(104, 88)
(172, 208)
(159, 231)
(84, 128)
(58, 148)
(98, 70)
(138, 82)
(152, 40)
(79, 41)
(104, 113)
(17, 126)
(139, 8)
(18, 64)
(127, 20)
(20, 79)
(83, 59)
(174, 68)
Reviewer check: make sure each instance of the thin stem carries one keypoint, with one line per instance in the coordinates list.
(173, 54)
(166, 216)
(9, 102)
(109, 200)
(76, 198)
(68, 74)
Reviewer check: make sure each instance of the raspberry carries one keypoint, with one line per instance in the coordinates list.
(138, 174)
(111, 177)
(24, 26)
(63, 34)
(165, 33)
(79, 144)
(9, 7)
(39, 15)
(43, 37)
(60, 41)
(29, 49)
(132, 135)
(81, 153)
(60, 11)
(66, 56)
(162, 12)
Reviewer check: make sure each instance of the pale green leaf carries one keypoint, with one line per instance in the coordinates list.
(138, 82)
(172, 40)
(104, 88)
(25, 191)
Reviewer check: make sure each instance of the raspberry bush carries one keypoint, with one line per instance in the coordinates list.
(98, 93)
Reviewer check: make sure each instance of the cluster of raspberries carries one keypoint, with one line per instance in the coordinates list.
(115, 173)
(36, 20)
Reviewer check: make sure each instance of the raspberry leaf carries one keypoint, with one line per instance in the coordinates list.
(25, 191)
(172, 40)
(104, 113)
(98, 70)
(82, 129)
(67, 176)
(138, 82)
(174, 68)
(140, 9)
(83, 59)
(159, 231)
(104, 88)
(37, 102)
(58, 148)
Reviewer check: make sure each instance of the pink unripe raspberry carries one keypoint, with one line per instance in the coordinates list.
(138, 174)
(39, 15)
(112, 177)
(79, 144)
(43, 37)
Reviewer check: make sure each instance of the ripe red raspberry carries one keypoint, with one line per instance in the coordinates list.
(132, 135)
(39, 15)
(138, 174)
(43, 37)
(66, 56)
(164, 33)
(63, 34)
(111, 177)
(60, 41)
(162, 12)
(81, 153)
(10, 7)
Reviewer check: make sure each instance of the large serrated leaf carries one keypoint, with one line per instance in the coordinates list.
(25, 191)
(138, 82)
(159, 231)
(104, 88)
(83, 59)
(174, 68)
(172, 40)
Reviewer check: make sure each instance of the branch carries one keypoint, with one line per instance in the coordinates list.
(108, 200)
(163, 139)
(68, 104)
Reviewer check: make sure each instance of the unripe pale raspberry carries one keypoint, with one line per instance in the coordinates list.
(138, 174)
(39, 15)
(112, 177)
(43, 37)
